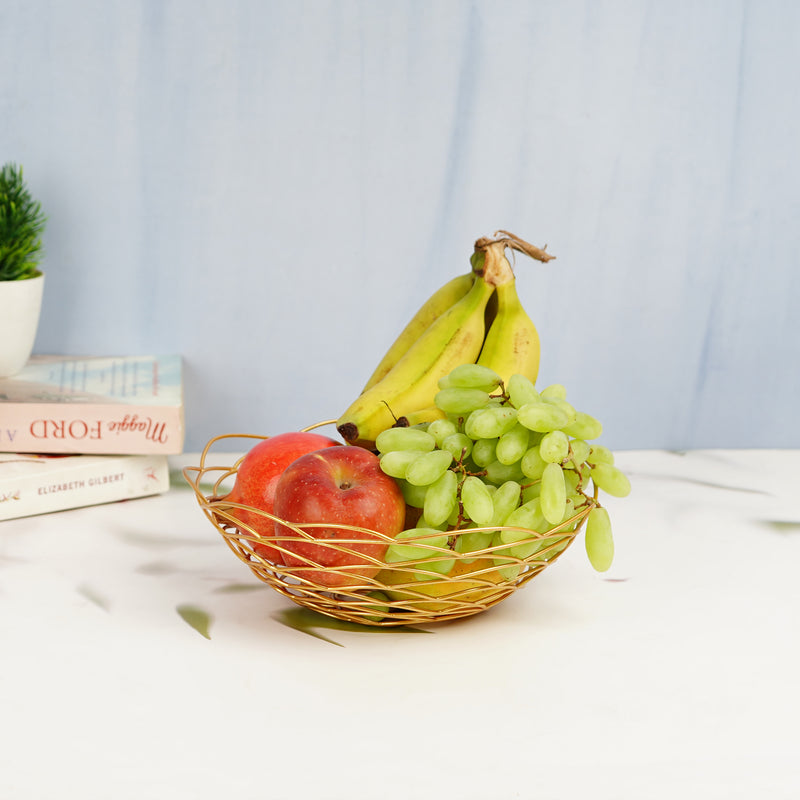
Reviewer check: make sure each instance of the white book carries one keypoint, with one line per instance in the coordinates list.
(39, 483)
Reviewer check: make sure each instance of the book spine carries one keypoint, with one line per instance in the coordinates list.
(91, 429)
(75, 485)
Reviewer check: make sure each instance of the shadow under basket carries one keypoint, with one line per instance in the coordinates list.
(363, 588)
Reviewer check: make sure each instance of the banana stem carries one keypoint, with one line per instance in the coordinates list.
(496, 267)
(507, 239)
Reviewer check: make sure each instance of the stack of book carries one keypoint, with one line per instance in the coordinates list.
(83, 431)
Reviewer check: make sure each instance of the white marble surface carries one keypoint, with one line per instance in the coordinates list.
(673, 675)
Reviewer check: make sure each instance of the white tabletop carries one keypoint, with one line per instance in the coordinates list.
(674, 675)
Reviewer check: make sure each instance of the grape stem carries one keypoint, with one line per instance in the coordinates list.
(504, 396)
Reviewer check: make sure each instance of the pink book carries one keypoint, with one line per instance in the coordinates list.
(97, 405)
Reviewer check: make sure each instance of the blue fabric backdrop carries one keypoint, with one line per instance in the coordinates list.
(272, 188)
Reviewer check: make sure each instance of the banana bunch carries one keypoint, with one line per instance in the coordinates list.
(474, 318)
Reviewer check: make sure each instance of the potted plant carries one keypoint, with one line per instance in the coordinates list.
(21, 281)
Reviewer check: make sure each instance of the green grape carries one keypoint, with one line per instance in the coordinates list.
(554, 391)
(532, 464)
(571, 481)
(569, 507)
(506, 417)
(460, 401)
(476, 500)
(531, 490)
(585, 426)
(542, 417)
(580, 451)
(454, 519)
(446, 383)
(490, 423)
(440, 499)
(394, 439)
(611, 480)
(553, 495)
(554, 447)
(504, 501)
(378, 609)
(521, 390)
(498, 473)
(528, 516)
(471, 376)
(429, 467)
(598, 539)
(440, 429)
(415, 544)
(600, 455)
(444, 566)
(567, 408)
(424, 549)
(551, 546)
(397, 462)
(413, 495)
(483, 452)
(508, 568)
(523, 545)
(510, 572)
(423, 523)
(525, 549)
(575, 503)
(513, 444)
(459, 444)
(472, 542)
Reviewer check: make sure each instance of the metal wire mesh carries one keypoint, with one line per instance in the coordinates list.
(344, 575)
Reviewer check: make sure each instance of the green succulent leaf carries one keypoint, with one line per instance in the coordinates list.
(22, 223)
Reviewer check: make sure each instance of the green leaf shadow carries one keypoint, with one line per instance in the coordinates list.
(309, 622)
(196, 618)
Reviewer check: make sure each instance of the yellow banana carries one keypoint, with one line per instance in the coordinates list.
(442, 299)
(454, 338)
(421, 415)
(512, 342)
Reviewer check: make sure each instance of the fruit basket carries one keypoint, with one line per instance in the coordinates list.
(437, 583)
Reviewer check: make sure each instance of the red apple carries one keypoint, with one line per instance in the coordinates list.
(258, 476)
(338, 486)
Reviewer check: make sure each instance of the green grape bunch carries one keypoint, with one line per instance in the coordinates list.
(503, 461)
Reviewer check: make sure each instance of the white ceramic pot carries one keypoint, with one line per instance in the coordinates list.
(20, 306)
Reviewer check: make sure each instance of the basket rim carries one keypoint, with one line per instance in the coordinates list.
(220, 503)
(348, 602)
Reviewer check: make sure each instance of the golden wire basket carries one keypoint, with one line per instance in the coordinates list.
(370, 591)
